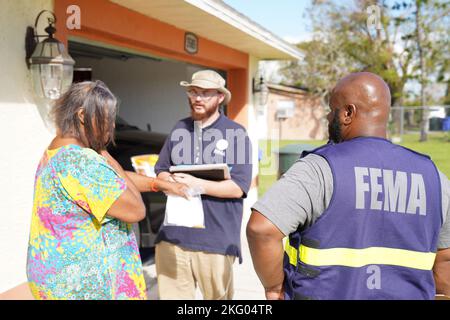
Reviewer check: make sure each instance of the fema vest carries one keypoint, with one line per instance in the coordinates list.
(378, 237)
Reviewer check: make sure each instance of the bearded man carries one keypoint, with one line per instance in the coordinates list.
(187, 257)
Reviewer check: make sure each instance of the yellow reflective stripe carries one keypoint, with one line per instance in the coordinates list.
(291, 252)
(361, 257)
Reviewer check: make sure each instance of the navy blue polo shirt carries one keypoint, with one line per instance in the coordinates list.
(224, 141)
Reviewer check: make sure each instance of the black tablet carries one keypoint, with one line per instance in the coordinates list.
(215, 172)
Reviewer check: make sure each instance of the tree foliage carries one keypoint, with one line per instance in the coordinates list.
(343, 42)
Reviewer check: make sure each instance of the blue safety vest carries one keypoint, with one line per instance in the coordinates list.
(378, 237)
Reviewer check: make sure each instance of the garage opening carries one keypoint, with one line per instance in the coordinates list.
(147, 87)
(151, 101)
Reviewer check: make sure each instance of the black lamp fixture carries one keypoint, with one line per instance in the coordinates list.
(50, 64)
(260, 90)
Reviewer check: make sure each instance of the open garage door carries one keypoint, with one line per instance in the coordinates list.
(147, 87)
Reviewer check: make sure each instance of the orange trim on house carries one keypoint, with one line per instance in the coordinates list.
(238, 83)
(107, 22)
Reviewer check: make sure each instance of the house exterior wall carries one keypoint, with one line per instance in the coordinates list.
(307, 123)
(24, 133)
(252, 130)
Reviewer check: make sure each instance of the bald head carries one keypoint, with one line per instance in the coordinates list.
(361, 103)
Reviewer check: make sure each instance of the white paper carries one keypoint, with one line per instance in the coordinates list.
(184, 213)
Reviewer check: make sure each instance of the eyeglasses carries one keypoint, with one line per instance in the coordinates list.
(206, 95)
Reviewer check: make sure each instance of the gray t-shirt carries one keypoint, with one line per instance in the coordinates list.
(305, 190)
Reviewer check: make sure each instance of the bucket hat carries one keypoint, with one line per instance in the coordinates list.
(209, 79)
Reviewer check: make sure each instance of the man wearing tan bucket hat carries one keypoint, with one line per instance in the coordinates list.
(187, 257)
(208, 79)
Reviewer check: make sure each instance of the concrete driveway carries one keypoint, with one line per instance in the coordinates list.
(246, 282)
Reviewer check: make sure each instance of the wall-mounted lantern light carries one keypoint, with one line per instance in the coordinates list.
(51, 66)
(261, 91)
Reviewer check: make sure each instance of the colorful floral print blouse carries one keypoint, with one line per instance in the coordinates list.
(75, 250)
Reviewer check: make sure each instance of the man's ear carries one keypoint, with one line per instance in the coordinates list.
(349, 113)
(80, 115)
(221, 98)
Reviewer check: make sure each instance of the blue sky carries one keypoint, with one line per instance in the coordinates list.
(285, 18)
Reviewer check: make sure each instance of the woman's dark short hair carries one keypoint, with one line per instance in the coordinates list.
(100, 108)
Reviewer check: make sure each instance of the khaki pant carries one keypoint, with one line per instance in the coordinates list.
(179, 270)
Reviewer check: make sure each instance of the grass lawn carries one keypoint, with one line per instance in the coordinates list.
(437, 147)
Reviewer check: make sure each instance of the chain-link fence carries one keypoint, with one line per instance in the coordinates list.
(418, 119)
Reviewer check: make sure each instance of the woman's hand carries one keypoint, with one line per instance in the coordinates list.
(173, 188)
(178, 189)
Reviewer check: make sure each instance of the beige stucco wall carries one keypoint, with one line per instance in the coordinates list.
(253, 134)
(23, 135)
(307, 123)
